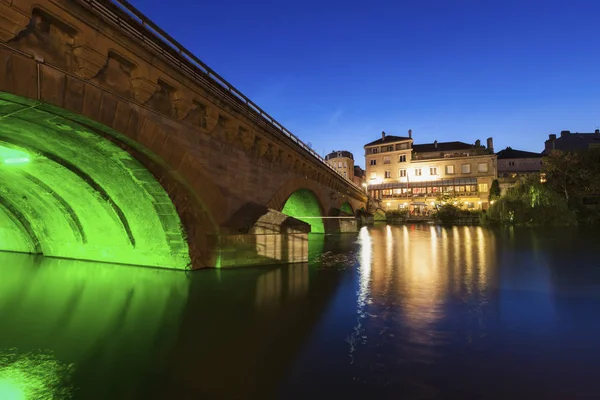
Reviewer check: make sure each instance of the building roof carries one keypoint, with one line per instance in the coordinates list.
(339, 153)
(509, 153)
(388, 139)
(441, 146)
(569, 141)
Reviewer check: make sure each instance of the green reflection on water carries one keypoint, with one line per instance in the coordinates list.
(105, 319)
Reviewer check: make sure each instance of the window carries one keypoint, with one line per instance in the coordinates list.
(389, 148)
(449, 169)
(483, 187)
(482, 167)
(373, 175)
(402, 173)
(374, 151)
(511, 163)
(373, 162)
(417, 171)
(345, 164)
(344, 174)
(402, 158)
(433, 171)
(465, 168)
(388, 174)
(340, 164)
(386, 159)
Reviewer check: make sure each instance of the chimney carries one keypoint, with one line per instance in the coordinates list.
(564, 133)
(490, 144)
(552, 143)
(382, 136)
(410, 133)
(435, 144)
(477, 143)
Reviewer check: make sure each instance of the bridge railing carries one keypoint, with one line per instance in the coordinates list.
(138, 25)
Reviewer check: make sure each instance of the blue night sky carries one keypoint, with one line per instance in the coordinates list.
(336, 73)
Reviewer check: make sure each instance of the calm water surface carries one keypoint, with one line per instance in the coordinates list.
(394, 312)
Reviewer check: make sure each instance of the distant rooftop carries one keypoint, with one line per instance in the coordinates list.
(339, 153)
(390, 139)
(441, 146)
(510, 153)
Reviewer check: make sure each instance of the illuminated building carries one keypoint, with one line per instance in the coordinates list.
(343, 162)
(406, 175)
(516, 164)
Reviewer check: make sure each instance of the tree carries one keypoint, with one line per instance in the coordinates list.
(494, 190)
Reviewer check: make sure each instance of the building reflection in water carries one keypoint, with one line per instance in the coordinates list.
(272, 288)
(357, 335)
(414, 270)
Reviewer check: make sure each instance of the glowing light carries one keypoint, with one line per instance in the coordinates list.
(388, 204)
(479, 202)
(13, 157)
(10, 390)
(456, 202)
(492, 202)
(432, 203)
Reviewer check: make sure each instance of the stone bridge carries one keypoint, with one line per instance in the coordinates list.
(118, 145)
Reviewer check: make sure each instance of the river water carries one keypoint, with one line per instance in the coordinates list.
(393, 312)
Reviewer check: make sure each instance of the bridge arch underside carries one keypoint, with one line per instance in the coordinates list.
(304, 205)
(347, 208)
(66, 191)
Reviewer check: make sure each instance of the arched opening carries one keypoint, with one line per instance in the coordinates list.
(304, 205)
(347, 208)
(68, 192)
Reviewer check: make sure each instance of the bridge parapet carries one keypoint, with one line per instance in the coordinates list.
(116, 47)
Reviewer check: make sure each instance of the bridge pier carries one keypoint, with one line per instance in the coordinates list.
(257, 235)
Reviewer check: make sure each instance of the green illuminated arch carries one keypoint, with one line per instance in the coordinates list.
(347, 208)
(66, 191)
(303, 203)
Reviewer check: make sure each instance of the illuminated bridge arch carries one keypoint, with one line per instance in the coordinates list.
(303, 200)
(66, 190)
(347, 208)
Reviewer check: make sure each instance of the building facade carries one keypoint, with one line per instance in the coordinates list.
(514, 165)
(572, 141)
(343, 162)
(360, 177)
(418, 177)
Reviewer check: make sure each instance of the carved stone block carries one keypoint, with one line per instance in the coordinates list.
(11, 22)
(89, 61)
(182, 108)
(143, 89)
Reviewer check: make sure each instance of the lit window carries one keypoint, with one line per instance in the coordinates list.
(483, 187)
(345, 164)
(465, 168)
(402, 173)
(373, 162)
(388, 174)
(386, 159)
(433, 171)
(417, 171)
(402, 158)
(449, 169)
(373, 175)
(340, 164)
(482, 167)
